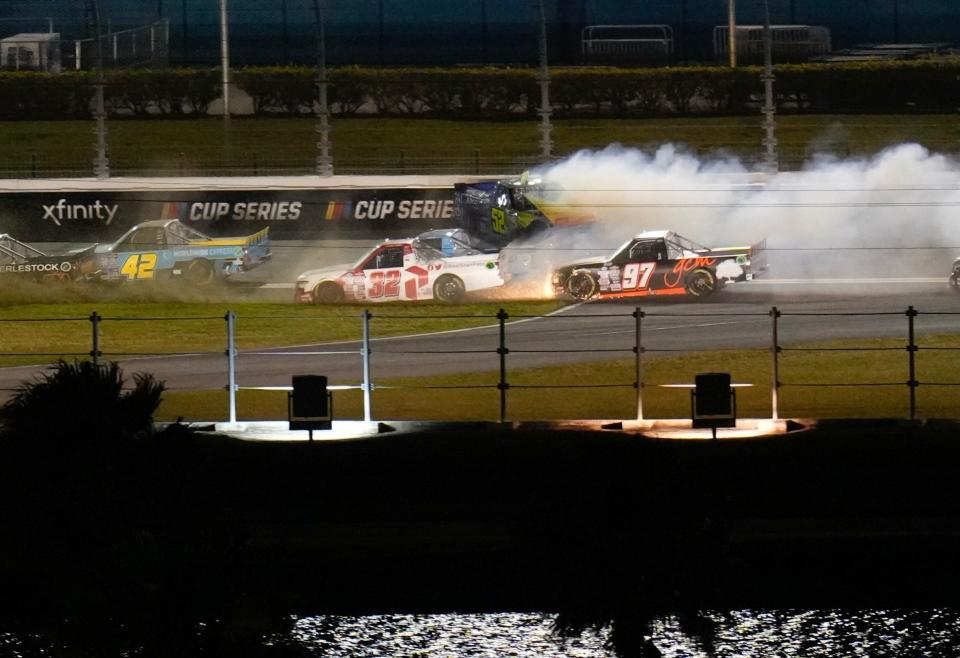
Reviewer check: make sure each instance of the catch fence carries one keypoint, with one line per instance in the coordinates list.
(511, 355)
(205, 160)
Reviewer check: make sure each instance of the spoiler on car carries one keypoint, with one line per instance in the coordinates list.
(259, 237)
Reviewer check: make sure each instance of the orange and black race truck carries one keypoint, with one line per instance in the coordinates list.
(26, 262)
(659, 263)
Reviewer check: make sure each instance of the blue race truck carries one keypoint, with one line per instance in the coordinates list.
(167, 249)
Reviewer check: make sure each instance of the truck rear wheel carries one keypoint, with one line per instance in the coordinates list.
(701, 283)
(199, 272)
(449, 289)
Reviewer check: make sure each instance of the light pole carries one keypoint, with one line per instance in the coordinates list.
(771, 157)
(324, 159)
(732, 32)
(543, 79)
(101, 162)
(225, 58)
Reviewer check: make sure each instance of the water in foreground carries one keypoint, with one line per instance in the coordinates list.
(931, 633)
(802, 633)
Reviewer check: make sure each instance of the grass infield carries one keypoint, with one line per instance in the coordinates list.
(195, 146)
(39, 333)
(605, 389)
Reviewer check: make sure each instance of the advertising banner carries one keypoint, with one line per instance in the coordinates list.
(290, 214)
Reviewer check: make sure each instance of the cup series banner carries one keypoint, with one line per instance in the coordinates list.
(290, 214)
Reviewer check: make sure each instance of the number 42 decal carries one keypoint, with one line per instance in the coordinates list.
(139, 266)
(637, 275)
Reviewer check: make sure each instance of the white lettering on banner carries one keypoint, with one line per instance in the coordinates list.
(243, 210)
(375, 209)
(447, 211)
(291, 210)
(62, 210)
(425, 209)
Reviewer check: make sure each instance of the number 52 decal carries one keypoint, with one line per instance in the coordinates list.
(139, 266)
(498, 220)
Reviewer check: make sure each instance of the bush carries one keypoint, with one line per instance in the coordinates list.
(928, 85)
(29, 95)
(82, 401)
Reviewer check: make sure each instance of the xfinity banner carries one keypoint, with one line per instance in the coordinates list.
(290, 214)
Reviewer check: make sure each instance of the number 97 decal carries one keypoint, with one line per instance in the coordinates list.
(636, 276)
(139, 266)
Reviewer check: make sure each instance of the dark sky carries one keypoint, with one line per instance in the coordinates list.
(452, 31)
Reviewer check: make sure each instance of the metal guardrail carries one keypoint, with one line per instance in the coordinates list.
(627, 44)
(502, 351)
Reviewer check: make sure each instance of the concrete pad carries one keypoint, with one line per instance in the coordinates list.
(278, 430)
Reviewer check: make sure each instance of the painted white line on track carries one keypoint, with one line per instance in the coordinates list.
(440, 333)
(831, 282)
(279, 350)
(669, 328)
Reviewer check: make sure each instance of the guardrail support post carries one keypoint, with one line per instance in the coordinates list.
(775, 355)
(638, 351)
(912, 348)
(231, 354)
(502, 351)
(95, 352)
(365, 356)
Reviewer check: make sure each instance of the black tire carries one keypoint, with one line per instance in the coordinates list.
(581, 285)
(701, 283)
(327, 292)
(449, 289)
(199, 272)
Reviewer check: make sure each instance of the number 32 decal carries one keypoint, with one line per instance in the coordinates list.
(384, 284)
(139, 266)
(636, 276)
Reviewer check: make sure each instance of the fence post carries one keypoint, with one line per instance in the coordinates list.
(95, 343)
(365, 356)
(912, 382)
(638, 351)
(775, 354)
(502, 350)
(231, 353)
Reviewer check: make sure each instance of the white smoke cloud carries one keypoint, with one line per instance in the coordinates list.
(891, 215)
